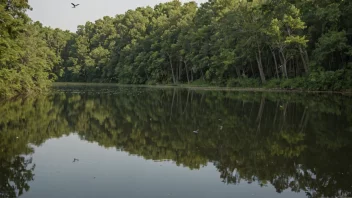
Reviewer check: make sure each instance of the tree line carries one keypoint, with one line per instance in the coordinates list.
(220, 42)
(28, 54)
(274, 43)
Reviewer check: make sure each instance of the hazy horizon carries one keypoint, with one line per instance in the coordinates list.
(60, 14)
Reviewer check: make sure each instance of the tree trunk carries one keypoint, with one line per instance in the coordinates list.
(306, 69)
(274, 57)
(238, 73)
(268, 70)
(296, 67)
(284, 63)
(172, 70)
(191, 75)
(281, 68)
(186, 66)
(289, 67)
(179, 70)
(201, 71)
(252, 68)
(307, 57)
(260, 66)
(176, 75)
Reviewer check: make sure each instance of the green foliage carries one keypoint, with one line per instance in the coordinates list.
(273, 83)
(295, 83)
(317, 80)
(216, 42)
(243, 82)
(200, 82)
(28, 53)
(177, 43)
(330, 44)
(328, 80)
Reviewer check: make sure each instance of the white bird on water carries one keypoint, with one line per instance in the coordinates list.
(196, 131)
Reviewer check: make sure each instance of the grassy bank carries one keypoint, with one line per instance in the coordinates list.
(339, 81)
(204, 86)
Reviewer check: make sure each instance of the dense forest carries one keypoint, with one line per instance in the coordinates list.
(259, 138)
(27, 58)
(272, 43)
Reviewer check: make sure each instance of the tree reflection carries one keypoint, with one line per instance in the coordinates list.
(300, 142)
(15, 174)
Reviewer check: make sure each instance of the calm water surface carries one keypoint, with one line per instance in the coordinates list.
(133, 142)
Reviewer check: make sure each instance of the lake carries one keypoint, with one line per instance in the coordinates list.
(134, 142)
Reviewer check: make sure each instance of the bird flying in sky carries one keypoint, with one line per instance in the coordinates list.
(74, 5)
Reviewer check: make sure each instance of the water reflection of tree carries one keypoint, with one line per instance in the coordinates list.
(23, 122)
(16, 170)
(293, 141)
(15, 173)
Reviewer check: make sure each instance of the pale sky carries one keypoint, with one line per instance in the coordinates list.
(60, 14)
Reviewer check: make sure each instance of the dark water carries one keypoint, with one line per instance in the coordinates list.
(140, 142)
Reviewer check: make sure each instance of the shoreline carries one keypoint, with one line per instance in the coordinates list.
(205, 88)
